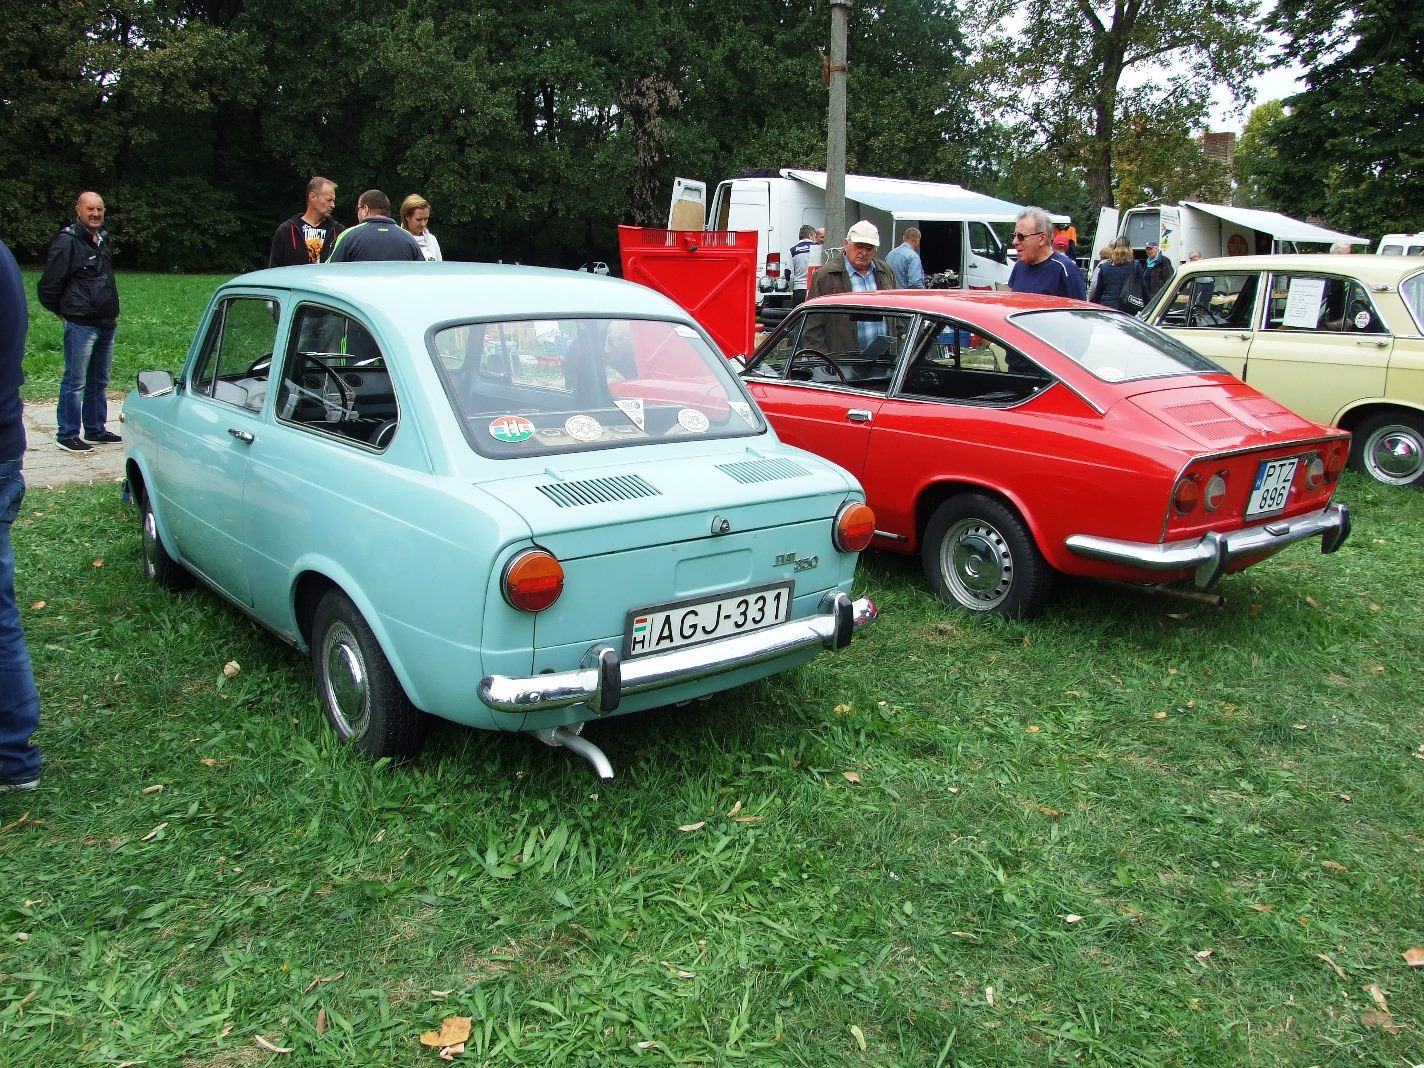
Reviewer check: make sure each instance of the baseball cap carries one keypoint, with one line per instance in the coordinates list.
(863, 233)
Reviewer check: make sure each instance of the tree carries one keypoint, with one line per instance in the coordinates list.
(1258, 168)
(1350, 148)
(1059, 78)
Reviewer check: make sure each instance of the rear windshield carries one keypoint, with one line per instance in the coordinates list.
(538, 386)
(1113, 346)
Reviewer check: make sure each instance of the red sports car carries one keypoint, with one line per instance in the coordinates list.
(1007, 437)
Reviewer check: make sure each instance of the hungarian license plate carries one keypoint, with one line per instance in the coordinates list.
(675, 626)
(1272, 487)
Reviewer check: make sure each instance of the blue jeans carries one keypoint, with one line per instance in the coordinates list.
(19, 700)
(88, 353)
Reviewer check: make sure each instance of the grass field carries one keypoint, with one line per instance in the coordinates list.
(1137, 831)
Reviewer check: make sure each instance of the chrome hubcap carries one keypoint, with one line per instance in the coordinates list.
(1395, 454)
(149, 538)
(344, 679)
(977, 564)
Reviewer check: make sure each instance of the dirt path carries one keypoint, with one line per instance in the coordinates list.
(47, 465)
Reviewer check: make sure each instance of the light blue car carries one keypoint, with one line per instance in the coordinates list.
(517, 499)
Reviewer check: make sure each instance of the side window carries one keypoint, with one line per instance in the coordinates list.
(984, 242)
(335, 380)
(839, 347)
(237, 353)
(1213, 300)
(955, 364)
(1320, 303)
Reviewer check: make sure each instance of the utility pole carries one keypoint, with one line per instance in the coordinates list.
(836, 127)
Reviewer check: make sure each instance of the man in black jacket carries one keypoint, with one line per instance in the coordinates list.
(308, 237)
(78, 285)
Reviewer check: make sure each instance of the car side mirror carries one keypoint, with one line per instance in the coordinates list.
(155, 383)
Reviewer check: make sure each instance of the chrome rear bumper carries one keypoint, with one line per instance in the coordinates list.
(606, 677)
(1212, 553)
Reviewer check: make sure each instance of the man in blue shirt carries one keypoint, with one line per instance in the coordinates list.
(1039, 269)
(904, 260)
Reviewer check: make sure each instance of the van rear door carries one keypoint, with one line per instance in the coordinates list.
(689, 205)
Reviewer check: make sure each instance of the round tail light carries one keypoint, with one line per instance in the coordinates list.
(1215, 491)
(1186, 494)
(1314, 471)
(1335, 464)
(855, 526)
(533, 580)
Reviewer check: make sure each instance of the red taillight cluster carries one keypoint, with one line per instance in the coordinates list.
(855, 526)
(533, 580)
(1186, 494)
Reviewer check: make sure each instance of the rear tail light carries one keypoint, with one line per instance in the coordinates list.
(1335, 463)
(1215, 491)
(855, 526)
(533, 580)
(772, 270)
(1314, 466)
(1186, 494)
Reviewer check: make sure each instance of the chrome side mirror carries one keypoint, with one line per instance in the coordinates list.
(155, 383)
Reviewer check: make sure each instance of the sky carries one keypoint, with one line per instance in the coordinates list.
(1275, 84)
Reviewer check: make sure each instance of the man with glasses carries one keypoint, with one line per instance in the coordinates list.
(1039, 269)
(858, 272)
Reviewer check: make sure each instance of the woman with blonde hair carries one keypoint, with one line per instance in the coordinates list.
(415, 217)
(1114, 275)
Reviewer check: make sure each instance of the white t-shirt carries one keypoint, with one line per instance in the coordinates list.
(428, 245)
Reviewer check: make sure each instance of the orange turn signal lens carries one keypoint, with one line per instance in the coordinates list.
(1186, 494)
(855, 526)
(533, 580)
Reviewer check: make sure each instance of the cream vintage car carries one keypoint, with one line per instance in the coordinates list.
(1339, 339)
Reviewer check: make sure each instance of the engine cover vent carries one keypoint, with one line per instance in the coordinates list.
(763, 470)
(598, 491)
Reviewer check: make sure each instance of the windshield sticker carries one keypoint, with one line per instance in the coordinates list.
(693, 421)
(685, 331)
(1303, 303)
(583, 427)
(632, 407)
(1362, 320)
(743, 409)
(511, 428)
(1111, 374)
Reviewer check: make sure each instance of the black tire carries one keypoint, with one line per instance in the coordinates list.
(978, 554)
(1389, 447)
(158, 567)
(363, 700)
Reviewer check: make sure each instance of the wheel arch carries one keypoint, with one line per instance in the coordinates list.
(936, 493)
(1351, 417)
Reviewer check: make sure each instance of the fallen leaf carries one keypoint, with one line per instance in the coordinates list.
(37, 605)
(1414, 957)
(320, 979)
(321, 1021)
(1299, 726)
(1072, 917)
(1331, 961)
(745, 819)
(271, 1047)
(1333, 865)
(1374, 607)
(1377, 996)
(208, 762)
(231, 668)
(450, 1052)
(851, 776)
(155, 833)
(681, 973)
(989, 996)
(1179, 615)
(647, 1045)
(963, 934)
(1172, 671)
(1159, 715)
(1380, 1015)
(1032, 728)
(99, 562)
(453, 1029)
(842, 710)
(859, 1036)
(156, 788)
(693, 826)
(21, 936)
(1202, 956)
(1261, 908)
(735, 809)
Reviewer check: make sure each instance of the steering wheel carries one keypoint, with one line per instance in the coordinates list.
(262, 363)
(1200, 315)
(816, 354)
(344, 400)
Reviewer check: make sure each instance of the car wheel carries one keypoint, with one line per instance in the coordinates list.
(158, 567)
(1390, 448)
(979, 555)
(363, 700)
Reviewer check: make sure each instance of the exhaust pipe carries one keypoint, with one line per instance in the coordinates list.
(1206, 597)
(564, 738)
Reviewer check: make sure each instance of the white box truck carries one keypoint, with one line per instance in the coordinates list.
(1212, 230)
(956, 224)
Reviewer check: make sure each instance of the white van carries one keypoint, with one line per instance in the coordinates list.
(955, 223)
(1402, 244)
(1213, 230)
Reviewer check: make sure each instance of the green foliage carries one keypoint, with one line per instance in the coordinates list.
(1351, 147)
(1258, 168)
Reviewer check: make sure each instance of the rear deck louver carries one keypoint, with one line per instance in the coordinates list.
(1207, 419)
(598, 491)
(763, 470)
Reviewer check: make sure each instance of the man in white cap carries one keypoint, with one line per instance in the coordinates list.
(858, 272)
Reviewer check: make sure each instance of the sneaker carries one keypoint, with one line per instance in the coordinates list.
(73, 445)
(104, 437)
(6, 785)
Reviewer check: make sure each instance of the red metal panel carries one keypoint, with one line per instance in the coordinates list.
(710, 274)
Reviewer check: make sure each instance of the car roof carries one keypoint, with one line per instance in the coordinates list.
(988, 306)
(443, 291)
(1366, 266)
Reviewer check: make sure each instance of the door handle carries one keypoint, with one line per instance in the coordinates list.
(241, 435)
(858, 415)
(1380, 344)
